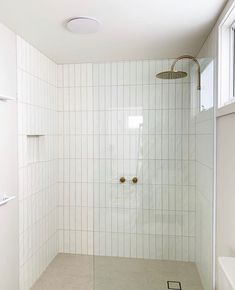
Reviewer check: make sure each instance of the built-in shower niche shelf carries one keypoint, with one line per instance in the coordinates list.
(35, 147)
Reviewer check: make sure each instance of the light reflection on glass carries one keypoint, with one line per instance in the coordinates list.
(134, 122)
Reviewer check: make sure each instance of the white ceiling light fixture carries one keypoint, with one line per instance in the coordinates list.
(83, 25)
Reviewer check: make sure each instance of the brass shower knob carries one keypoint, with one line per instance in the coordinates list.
(122, 179)
(134, 179)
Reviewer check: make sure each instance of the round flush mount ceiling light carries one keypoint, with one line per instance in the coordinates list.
(83, 25)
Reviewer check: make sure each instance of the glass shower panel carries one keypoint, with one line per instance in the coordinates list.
(204, 160)
(144, 232)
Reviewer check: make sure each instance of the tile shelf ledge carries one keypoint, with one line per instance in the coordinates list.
(6, 98)
(37, 161)
(35, 135)
(6, 199)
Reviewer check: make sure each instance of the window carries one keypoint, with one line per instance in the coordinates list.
(226, 65)
(207, 86)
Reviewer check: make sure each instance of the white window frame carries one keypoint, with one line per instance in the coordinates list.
(226, 50)
(232, 59)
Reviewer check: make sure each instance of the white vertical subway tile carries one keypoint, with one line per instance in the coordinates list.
(77, 75)
(71, 69)
(101, 76)
(38, 182)
(97, 146)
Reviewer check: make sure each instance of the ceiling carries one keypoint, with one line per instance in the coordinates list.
(132, 29)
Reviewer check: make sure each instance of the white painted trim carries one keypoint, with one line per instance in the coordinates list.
(225, 55)
(227, 265)
(226, 110)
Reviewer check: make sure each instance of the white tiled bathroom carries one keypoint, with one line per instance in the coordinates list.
(118, 181)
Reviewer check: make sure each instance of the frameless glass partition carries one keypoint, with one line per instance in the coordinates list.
(153, 177)
(204, 161)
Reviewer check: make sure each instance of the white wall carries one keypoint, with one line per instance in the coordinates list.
(225, 235)
(9, 242)
(38, 163)
(226, 186)
(154, 219)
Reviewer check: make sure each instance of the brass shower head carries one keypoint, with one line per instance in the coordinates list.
(174, 74)
(171, 75)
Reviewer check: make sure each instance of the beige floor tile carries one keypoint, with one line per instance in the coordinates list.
(70, 272)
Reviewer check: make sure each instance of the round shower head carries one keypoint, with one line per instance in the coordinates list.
(171, 75)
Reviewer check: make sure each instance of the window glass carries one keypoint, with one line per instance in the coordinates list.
(207, 87)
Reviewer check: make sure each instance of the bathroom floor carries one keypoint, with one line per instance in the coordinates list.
(69, 272)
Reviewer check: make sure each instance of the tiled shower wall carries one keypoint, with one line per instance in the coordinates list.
(205, 195)
(117, 119)
(38, 161)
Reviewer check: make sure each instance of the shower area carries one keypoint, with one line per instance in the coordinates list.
(116, 166)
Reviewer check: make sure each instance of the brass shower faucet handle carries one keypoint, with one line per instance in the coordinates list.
(134, 179)
(122, 179)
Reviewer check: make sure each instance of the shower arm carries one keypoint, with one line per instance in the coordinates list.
(197, 63)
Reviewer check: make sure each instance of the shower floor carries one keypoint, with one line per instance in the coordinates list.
(70, 272)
